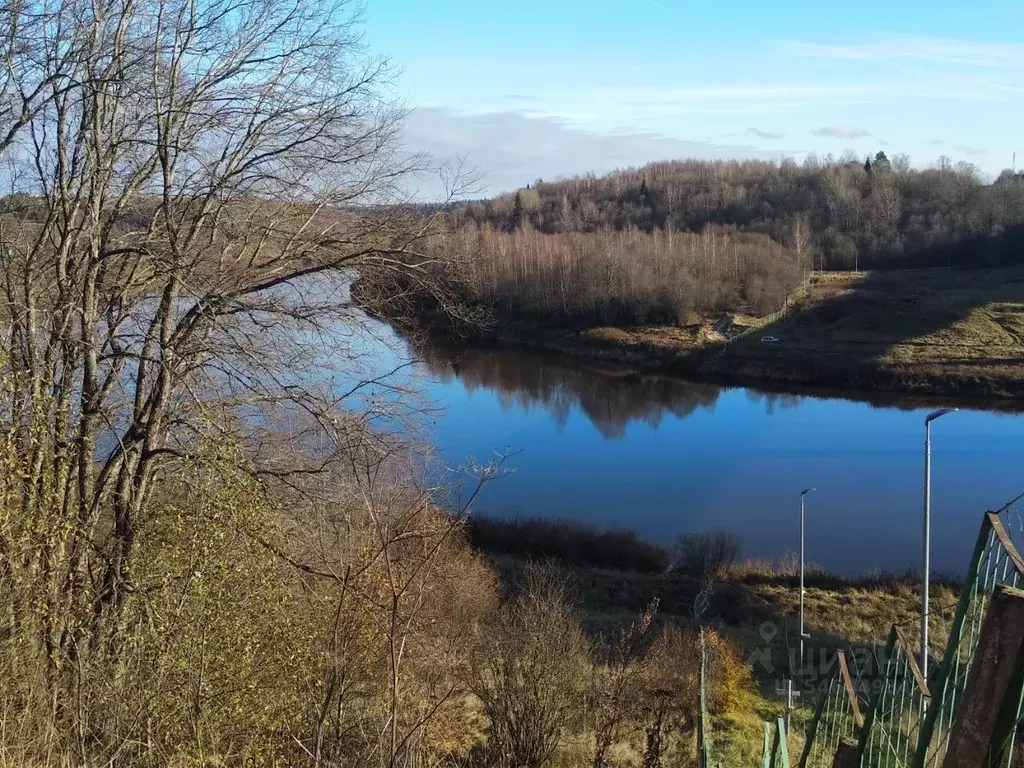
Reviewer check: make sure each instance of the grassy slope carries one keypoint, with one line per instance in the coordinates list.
(757, 605)
(943, 332)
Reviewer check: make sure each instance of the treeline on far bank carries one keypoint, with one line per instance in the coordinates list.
(845, 214)
(674, 242)
(619, 278)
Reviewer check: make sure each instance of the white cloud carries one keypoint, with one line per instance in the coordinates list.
(945, 51)
(971, 151)
(765, 134)
(604, 107)
(510, 150)
(842, 132)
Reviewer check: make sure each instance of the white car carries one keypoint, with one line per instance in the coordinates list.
(769, 340)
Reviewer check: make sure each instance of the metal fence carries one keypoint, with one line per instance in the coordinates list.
(776, 745)
(995, 561)
(837, 718)
(893, 723)
(909, 720)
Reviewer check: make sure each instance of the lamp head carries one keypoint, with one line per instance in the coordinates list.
(937, 414)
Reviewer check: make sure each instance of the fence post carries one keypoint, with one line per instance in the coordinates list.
(940, 682)
(986, 718)
(780, 749)
(703, 750)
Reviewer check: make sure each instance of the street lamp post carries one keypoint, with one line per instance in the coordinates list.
(928, 531)
(803, 634)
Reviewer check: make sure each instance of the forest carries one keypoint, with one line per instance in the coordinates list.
(839, 214)
(676, 242)
(619, 277)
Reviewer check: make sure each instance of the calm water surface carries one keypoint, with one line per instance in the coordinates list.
(663, 456)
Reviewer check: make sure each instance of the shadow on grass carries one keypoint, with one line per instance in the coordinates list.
(952, 332)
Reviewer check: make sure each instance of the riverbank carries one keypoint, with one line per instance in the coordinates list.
(754, 601)
(942, 333)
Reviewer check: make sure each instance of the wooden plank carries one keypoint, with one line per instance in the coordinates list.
(851, 692)
(846, 755)
(992, 684)
(915, 668)
(1004, 539)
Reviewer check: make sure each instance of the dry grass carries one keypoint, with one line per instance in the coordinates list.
(865, 614)
(941, 331)
(924, 332)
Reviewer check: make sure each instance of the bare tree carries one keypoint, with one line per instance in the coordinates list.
(530, 672)
(193, 187)
(615, 698)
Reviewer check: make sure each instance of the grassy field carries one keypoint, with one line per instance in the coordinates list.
(926, 332)
(755, 604)
(948, 332)
(840, 612)
(614, 577)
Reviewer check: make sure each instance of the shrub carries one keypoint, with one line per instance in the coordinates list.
(530, 672)
(706, 555)
(570, 543)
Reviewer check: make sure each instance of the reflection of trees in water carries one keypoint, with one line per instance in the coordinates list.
(610, 399)
(772, 400)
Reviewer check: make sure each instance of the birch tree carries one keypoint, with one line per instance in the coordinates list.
(190, 188)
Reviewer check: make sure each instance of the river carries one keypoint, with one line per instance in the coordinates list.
(664, 456)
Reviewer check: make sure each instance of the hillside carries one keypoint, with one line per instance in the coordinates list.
(942, 331)
(843, 214)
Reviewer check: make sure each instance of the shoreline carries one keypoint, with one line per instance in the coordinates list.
(777, 371)
(928, 334)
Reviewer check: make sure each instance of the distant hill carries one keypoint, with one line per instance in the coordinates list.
(844, 214)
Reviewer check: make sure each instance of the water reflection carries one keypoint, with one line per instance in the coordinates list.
(611, 398)
(608, 446)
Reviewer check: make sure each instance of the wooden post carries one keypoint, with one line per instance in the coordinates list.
(846, 755)
(993, 685)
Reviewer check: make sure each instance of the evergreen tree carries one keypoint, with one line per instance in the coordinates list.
(518, 213)
(644, 196)
(882, 162)
(867, 165)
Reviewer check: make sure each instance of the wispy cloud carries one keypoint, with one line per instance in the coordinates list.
(765, 134)
(842, 132)
(658, 5)
(972, 151)
(604, 106)
(949, 52)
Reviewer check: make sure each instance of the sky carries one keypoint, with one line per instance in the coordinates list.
(528, 89)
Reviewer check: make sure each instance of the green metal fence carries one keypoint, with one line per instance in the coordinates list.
(892, 725)
(837, 717)
(995, 561)
(780, 745)
(776, 745)
(909, 720)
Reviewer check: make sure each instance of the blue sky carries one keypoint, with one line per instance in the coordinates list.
(539, 88)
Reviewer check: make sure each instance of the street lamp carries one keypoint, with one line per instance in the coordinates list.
(803, 634)
(928, 531)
